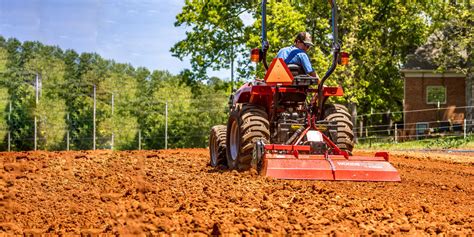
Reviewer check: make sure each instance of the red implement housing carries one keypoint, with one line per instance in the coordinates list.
(299, 162)
(294, 165)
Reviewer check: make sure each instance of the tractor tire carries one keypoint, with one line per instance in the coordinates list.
(217, 145)
(345, 135)
(247, 124)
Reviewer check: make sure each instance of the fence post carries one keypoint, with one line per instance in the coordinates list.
(36, 102)
(67, 132)
(389, 122)
(93, 122)
(396, 133)
(464, 128)
(112, 139)
(9, 132)
(139, 139)
(35, 133)
(166, 125)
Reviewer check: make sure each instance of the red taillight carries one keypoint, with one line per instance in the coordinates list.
(344, 56)
(255, 55)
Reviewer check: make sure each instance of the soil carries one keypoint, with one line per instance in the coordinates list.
(175, 191)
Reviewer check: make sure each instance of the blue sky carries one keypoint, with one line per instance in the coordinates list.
(139, 32)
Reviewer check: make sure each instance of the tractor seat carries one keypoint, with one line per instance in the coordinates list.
(300, 77)
(296, 69)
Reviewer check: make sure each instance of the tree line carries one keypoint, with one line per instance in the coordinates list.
(65, 106)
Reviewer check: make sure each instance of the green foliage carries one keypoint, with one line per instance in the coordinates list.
(216, 37)
(66, 102)
(122, 85)
(452, 36)
(448, 142)
(4, 110)
(46, 62)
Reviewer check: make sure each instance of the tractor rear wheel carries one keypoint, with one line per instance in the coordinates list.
(247, 124)
(345, 135)
(217, 145)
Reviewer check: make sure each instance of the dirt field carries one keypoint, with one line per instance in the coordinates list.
(175, 191)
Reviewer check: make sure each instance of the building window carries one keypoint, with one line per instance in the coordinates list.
(435, 94)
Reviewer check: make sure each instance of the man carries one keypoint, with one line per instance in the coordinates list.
(296, 54)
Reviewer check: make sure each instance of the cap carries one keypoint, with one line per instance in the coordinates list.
(305, 37)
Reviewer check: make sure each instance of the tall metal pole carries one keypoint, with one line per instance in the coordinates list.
(112, 142)
(139, 139)
(37, 87)
(93, 121)
(67, 133)
(9, 132)
(37, 94)
(166, 125)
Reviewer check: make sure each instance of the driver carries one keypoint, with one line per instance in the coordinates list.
(296, 54)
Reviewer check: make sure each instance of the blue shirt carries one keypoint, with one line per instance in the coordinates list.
(301, 59)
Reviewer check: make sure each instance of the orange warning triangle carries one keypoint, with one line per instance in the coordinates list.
(278, 73)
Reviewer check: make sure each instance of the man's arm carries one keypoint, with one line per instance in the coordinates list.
(307, 65)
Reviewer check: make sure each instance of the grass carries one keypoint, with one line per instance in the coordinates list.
(451, 142)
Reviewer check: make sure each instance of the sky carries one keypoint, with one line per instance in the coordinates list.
(140, 32)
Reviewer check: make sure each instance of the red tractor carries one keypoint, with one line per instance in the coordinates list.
(284, 128)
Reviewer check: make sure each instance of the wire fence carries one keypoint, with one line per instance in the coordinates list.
(424, 124)
(109, 141)
(139, 137)
(101, 128)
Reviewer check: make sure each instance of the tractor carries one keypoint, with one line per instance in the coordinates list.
(283, 127)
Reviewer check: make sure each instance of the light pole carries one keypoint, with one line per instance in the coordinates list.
(36, 103)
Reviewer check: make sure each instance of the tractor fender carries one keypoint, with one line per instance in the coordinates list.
(254, 94)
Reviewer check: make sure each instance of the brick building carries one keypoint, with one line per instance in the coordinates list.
(434, 101)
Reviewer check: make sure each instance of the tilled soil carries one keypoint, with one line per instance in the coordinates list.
(174, 191)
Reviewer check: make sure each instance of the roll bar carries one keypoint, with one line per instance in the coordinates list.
(265, 44)
(336, 48)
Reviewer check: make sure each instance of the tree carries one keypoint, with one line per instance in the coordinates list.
(217, 36)
(120, 84)
(4, 97)
(46, 62)
(19, 83)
